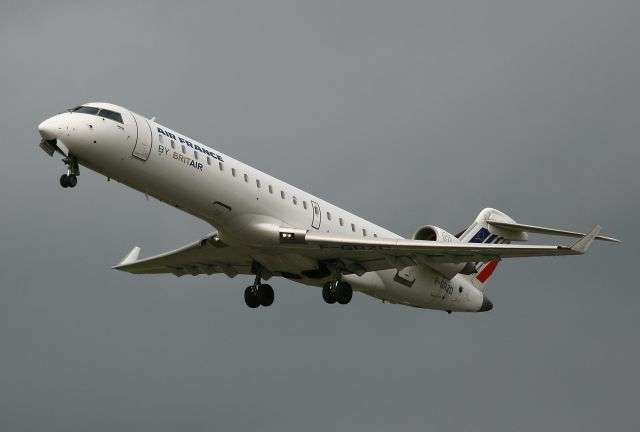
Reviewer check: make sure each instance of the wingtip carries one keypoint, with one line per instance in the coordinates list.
(129, 259)
(582, 245)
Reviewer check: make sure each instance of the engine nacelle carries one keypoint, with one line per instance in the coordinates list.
(434, 233)
(437, 234)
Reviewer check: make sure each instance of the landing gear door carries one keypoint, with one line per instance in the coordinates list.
(317, 215)
(144, 138)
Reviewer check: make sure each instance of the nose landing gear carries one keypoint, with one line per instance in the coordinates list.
(70, 179)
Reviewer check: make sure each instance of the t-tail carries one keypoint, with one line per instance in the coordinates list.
(492, 226)
(481, 232)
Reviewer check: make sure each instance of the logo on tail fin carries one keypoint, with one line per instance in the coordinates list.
(487, 271)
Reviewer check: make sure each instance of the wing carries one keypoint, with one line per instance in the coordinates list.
(352, 254)
(360, 255)
(207, 256)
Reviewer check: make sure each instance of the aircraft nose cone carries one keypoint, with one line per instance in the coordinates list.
(48, 129)
(487, 305)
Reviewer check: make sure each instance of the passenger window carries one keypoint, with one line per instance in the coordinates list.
(304, 204)
(221, 166)
(184, 149)
(195, 155)
(208, 160)
(364, 232)
(328, 216)
(246, 178)
(375, 235)
(233, 172)
(341, 221)
(282, 194)
(161, 138)
(353, 227)
(258, 183)
(173, 144)
(270, 189)
(295, 201)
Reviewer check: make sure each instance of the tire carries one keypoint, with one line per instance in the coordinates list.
(327, 295)
(344, 293)
(64, 181)
(72, 180)
(265, 295)
(250, 298)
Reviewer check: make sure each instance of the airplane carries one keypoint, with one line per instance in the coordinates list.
(265, 227)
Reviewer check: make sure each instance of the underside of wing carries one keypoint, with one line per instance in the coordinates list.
(206, 256)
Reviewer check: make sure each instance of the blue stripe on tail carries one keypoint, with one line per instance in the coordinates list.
(480, 236)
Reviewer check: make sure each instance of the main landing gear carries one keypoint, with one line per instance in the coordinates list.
(337, 291)
(70, 179)
(258, 294)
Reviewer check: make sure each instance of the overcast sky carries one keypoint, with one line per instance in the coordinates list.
(406, 113)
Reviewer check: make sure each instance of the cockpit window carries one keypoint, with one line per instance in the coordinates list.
(110, 115)
(86, 110)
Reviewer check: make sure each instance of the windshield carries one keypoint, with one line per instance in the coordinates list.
(86, 110)
(108, 114)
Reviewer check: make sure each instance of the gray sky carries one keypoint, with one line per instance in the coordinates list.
(406, 113)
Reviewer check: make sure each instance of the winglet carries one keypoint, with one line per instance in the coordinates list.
(583, 244)
(130, 258)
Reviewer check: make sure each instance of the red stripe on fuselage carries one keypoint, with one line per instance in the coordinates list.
(487, 271)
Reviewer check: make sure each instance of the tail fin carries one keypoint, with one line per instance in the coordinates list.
(481, 232)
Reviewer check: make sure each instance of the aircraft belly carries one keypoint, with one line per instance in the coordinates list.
(431, 291)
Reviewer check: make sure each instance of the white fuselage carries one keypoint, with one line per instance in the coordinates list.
(234, 197)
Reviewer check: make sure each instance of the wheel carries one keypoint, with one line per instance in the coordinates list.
(64, 181)
(344, 292)
(327, 295)
(72, 180)
(265, 295)
(251, 298)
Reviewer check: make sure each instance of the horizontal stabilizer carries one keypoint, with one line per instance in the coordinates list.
(509, 226)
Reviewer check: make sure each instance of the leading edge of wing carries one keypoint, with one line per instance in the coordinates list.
(442, 252)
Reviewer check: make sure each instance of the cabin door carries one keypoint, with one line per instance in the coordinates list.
(317, 216)
(144, 138)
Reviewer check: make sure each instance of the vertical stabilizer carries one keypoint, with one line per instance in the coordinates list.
(481, 232)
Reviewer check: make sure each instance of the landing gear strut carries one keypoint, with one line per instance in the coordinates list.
(337, 291)
(70, 179)
(258, 294)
